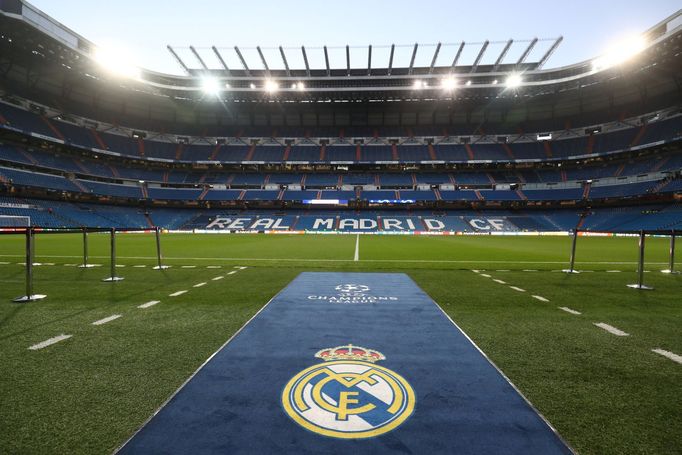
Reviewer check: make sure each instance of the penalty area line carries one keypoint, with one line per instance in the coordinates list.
(671, 355)
(113, 317)
(148, 304)
(611, 329)
(49, 342)
(356, 257)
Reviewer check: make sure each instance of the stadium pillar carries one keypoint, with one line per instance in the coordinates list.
(113, 276)
(640, 267)
(160, 266)
(85, 250)
(671, 264)
(571, 268)
(30, 296)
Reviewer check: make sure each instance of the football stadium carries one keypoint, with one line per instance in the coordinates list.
(440, 248)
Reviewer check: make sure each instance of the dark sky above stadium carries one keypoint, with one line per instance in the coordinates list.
(142, 29)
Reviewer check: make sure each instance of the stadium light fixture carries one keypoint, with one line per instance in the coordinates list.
(449, 83)
(210, 86)
(252, 85)
(620, 52)
(514, 80)
(116, 62)
(495, 82)
(271, 86)
(418, 84)
(469, 82)
(301, 86)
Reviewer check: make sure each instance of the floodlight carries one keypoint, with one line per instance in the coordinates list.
(271, 86)
(252, 85)
(468, 82)
(495, 82)
(620, 52)
(301, 86)
(227, 85)
(418, 84)
(116, 62)
(210, 85)
(514, 80)
(449, 83)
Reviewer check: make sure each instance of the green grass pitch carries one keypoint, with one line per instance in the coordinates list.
(87, 394)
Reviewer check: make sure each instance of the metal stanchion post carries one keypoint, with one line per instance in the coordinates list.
(571, 268)
(160, 266)
(671, 262)
(640, 266)
(30, 296)
(113, 276)
(85, 263)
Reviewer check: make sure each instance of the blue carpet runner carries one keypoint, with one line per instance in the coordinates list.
(348, 363)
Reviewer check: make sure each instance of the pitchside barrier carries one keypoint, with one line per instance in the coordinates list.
(31, 231)
(641, 247)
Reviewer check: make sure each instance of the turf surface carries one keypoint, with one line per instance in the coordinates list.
(87, 394)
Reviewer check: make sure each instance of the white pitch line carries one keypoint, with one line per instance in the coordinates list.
(569, 310)
(140, 266)
(517, 289)
(46, 343)
(611, 329)
(445, 261)
(177, 293)
(671, 355)
(198, 285)
(188, 267)
(4, 263)
(213, 266)
(503, 270)
(476, 271)
(232, 272)
(113, 317)
(65, 265)
(356, 257)
(529, 270)
(540, 298)
(121, 265)
(499, 281)
(613, 271)
(217, 278)
(485, 275)
(150, 303)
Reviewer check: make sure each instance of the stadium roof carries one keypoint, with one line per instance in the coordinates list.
(44, 60)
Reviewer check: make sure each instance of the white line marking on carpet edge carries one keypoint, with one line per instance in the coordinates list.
(569, 310)
(217, 278)
(499, 281)
(611, 329)
(540, 298)
(177, 293)
(517, 289)
(48, 342)
(113, 317)
(485, 275)
(671, 355)
(150, 303)
(198, 285)
(356, 257)
(232, 272)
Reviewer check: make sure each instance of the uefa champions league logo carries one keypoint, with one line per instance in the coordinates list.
(356, 290)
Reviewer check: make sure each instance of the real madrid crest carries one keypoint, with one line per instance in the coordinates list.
(348, 396)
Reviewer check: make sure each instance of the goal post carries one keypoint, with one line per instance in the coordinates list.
(9, 222)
